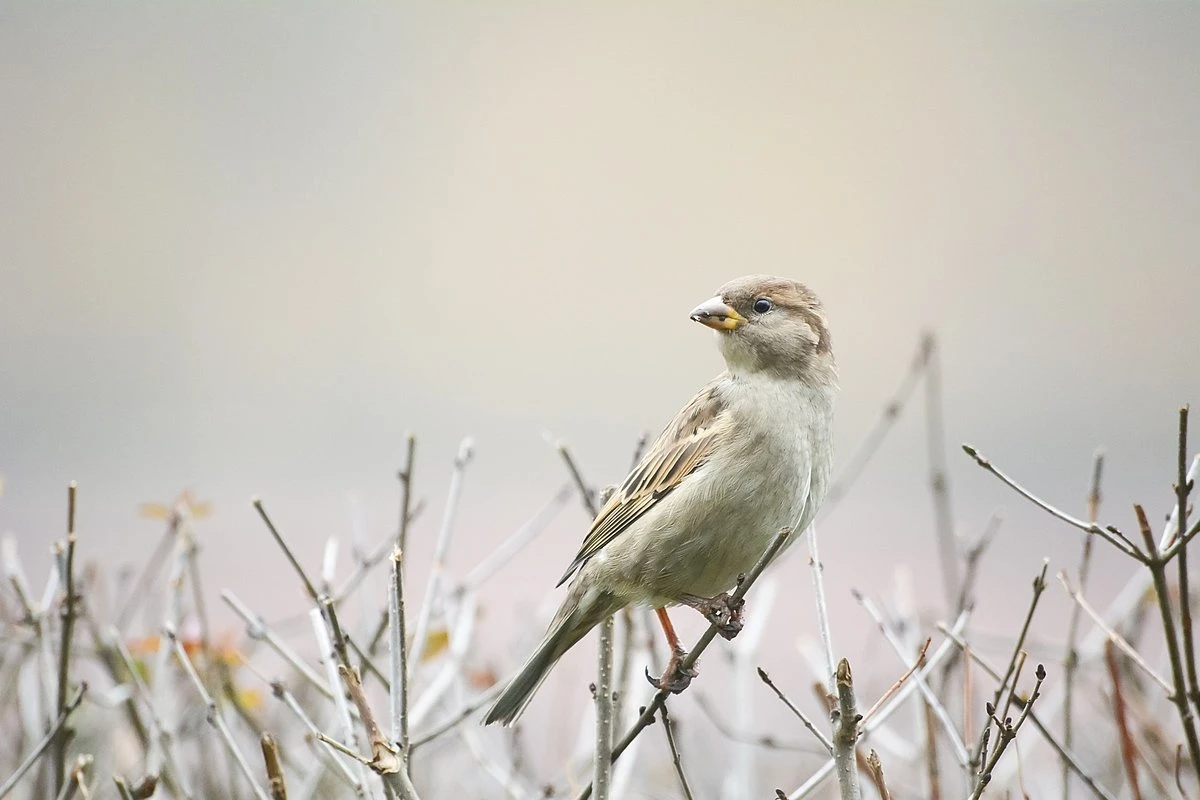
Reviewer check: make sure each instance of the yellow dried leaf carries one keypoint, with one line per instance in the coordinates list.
(436, 643)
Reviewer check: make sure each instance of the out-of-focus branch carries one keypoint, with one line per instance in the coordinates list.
(1114, 638)
(891, 412)
(67, 614)
(36, 753)
(214, 716)
(276, 784)
(1071, 660)
(441, 548)
(1128, 749)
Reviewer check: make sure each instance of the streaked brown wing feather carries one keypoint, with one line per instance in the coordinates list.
(685, 444)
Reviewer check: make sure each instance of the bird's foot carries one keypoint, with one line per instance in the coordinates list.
(674, 678)
(720, 611)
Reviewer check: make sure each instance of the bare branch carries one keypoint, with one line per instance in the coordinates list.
(1109, 534)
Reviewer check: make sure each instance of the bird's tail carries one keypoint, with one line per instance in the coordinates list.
(567, 629)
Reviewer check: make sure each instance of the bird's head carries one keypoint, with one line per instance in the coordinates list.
(771, 326)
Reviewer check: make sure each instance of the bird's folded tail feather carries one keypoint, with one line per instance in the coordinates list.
(565, 631)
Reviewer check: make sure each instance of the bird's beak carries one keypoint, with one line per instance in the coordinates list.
(717, 315)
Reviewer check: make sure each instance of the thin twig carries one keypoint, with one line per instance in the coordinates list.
(258, 630)
(41, 746)
(871, 723)
(876, 767)
(283, 694)
(441, 549)
(858, 461)
(1039, 586)
(67, 614)
(1071, 660)
(1114, 638)
(669, 728)
(1006, 733)
(503, 554)
(818, 581)
(939, 484)
(587, 495)
(971, 561)
(1109, 534)
(1182, 489)
(398, 655)
(935, 705)
(1128, 749)
(406, 476)
(1158, 570)
(214, 716)
(804, 720)
(461, 716)
(1068, 758)
(287, 551)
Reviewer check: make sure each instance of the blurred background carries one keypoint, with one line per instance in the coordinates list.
(245, 248)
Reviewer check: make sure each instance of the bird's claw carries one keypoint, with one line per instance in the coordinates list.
(674, 678)
(720, 611)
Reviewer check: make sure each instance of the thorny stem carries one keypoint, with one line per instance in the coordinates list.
(648, 714)
(1071, 661)
(1158, 570)
(67, 613)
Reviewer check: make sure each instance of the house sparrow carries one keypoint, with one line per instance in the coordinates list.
(748, 455)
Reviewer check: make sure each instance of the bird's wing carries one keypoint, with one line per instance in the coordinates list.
(686, 443)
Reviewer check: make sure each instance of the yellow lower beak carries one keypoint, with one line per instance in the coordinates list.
(717, 315)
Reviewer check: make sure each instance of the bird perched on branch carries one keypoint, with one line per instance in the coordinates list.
(748, 455)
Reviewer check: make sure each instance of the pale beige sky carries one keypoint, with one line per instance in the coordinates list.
(244, 248)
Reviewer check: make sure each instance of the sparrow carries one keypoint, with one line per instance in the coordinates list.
(750, 454)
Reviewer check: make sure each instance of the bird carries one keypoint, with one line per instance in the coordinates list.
(750, 454)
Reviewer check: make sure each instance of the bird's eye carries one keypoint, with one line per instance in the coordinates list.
(762, 305)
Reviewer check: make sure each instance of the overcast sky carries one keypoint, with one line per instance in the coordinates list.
(245, 247)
